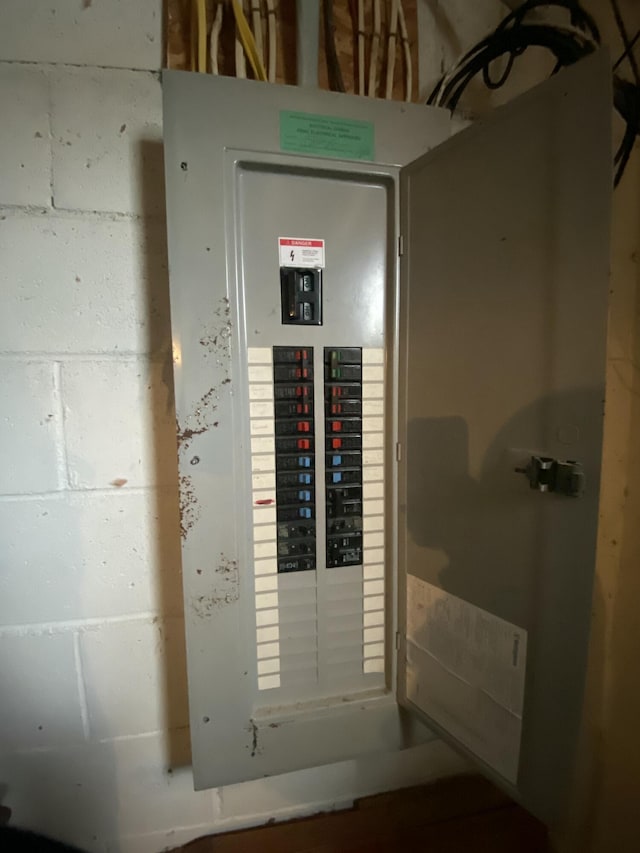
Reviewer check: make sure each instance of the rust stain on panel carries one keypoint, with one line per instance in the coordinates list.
(189, 508)
(216, 341)
(226, 588)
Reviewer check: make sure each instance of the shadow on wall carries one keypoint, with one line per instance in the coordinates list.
(487, 528)
(169, 575)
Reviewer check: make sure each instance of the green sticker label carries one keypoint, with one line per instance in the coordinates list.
(326, 136)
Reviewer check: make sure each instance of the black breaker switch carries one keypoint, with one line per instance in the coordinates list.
(301, 292)
(343, 455)
(295, 458)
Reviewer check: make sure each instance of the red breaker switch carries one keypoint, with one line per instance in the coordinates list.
(336, 426)
(304, 426)
(304, 444)
(336, 443)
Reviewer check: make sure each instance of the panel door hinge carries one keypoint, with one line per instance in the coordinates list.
(398, 451)
(400, 245)
(397, 640)
(554, 475)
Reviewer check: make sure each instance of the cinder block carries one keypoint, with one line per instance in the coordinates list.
(92, 32)
(107, 140)
(135, 677)
(119, 423)
(28, 428)
(88, 555)
(25, 147)
(91, 286)
(39, 701)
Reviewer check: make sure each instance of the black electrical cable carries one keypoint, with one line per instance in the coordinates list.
(625, 40)
(579, 17)
(511, 31)
(334, 72)
(626, 52)
(502, 79)
(626, 99)
(567, 43)
(511, 42)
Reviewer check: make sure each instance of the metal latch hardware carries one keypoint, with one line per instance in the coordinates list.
(553, 475)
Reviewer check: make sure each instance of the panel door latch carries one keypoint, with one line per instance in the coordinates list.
(553, 475)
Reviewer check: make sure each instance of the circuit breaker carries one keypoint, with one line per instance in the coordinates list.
(374, 330)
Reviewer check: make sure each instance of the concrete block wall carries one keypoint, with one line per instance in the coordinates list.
(94, 745)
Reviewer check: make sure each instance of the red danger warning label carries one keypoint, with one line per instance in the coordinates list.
(301, 252)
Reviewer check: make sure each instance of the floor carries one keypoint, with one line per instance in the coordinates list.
(465, 813)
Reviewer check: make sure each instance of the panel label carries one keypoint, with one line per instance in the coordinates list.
(326, 136)
(301, 252)
(466, 670)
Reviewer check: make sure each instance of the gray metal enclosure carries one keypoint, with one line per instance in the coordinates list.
(462, 332)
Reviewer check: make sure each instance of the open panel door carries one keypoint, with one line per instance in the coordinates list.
(503, 329)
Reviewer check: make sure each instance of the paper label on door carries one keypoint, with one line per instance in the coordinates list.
(466, 670)
(301, 252)
(326, 136)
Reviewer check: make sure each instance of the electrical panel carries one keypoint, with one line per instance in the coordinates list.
(375, 328)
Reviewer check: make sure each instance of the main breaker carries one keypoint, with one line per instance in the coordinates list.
(388, 347)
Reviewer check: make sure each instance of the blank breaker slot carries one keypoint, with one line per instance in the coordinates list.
(265, 548)
(373, 507)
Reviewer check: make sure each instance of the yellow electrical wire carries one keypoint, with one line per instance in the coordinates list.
(199, 36)
(248, 41)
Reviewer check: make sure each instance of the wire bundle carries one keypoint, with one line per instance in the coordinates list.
(568, 42)
(366, 82)
(248, 44)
